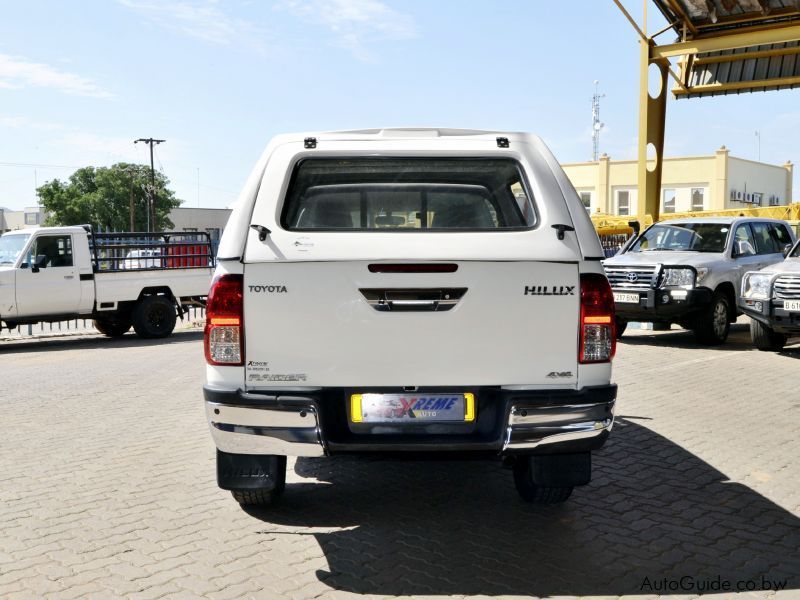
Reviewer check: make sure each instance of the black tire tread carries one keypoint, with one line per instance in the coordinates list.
(549, 495)
(111, 328)
(254, 497)
(537, 494)
(621, 325)
(704, 327)
(140, 311)
(765, 338)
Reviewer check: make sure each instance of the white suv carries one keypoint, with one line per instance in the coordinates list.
(689, 271)
(423, 291)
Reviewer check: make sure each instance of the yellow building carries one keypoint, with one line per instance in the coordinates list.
(716, 182)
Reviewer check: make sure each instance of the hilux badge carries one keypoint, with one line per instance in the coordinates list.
(549, 290)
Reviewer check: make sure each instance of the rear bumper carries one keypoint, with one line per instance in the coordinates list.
(652, 306)
(772, 314)
(316, 424)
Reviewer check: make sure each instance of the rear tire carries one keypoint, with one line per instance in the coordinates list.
(154, 317)
(112, 328)
(622, 325)
(713, 323)
(764, 338)
(537, 494)
(256, 497)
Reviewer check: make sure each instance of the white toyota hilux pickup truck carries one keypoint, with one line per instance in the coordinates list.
(409, 291)
(56, 273)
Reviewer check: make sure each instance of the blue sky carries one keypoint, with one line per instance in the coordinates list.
(216, 79)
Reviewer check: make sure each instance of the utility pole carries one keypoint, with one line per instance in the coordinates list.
(151, 207)
(596, 124)
(131, 207)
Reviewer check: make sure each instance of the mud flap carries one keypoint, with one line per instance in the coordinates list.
(561, 470)
(250, 472)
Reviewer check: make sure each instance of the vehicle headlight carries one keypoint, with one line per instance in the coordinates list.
(756, 285)
(679, 277)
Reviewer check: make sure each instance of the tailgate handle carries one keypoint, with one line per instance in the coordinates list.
(412, 304)
(413, 300)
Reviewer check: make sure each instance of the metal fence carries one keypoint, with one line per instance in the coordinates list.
(85, 326)
(613, 242)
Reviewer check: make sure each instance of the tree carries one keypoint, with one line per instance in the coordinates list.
(103, 196)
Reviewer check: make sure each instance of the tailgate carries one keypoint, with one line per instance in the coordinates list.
(339, 324)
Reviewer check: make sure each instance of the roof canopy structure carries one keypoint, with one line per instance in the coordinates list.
(722, 47)
(735, 68)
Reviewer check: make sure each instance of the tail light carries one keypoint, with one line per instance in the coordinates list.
(224, 333)
(598, 335)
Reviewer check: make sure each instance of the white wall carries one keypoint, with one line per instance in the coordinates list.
(200, 219)
(755, 177)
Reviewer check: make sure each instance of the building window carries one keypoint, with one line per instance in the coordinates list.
(586, 199)
(697, 199)
(623, 202)
(669, 201)
(31, 218)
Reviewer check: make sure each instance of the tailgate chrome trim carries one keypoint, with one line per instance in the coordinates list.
(412, 299)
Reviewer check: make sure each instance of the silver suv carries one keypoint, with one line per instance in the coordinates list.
(689, 271)
(771, 298)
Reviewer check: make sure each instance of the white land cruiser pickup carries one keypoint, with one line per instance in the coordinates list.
(689, 271)
(399, 291)
(57, 273)
(771, 298)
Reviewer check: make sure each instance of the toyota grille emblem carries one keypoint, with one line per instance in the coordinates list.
(632, 277)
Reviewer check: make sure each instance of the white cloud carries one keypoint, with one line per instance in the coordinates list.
(17, 72)
(90, 148)
(201, 19)
(25, 122)
(355, 23)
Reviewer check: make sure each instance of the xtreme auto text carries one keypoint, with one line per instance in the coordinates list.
(688, 583)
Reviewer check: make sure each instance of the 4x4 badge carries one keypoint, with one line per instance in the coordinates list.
(559, 374)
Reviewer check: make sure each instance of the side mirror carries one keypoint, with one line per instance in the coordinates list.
(786, 249)
(743, 248)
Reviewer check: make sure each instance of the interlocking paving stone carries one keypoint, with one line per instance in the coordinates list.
(107, 488)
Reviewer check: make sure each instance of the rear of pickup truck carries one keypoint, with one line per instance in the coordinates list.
(382, 293)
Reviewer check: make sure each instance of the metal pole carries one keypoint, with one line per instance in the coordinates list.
(130, 203)
(151, 197)
(152, 194)
(758, 137)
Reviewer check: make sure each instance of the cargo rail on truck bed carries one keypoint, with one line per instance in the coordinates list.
(154, 251)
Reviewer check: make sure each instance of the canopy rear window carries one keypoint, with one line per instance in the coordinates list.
(403, 194)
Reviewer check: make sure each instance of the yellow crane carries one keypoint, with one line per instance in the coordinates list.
(618, 225)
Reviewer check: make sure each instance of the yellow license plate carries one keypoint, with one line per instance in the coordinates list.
(412, 408)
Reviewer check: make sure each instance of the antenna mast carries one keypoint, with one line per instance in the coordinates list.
(596, 124)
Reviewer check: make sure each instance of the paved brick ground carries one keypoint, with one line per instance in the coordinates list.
(107, 489)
